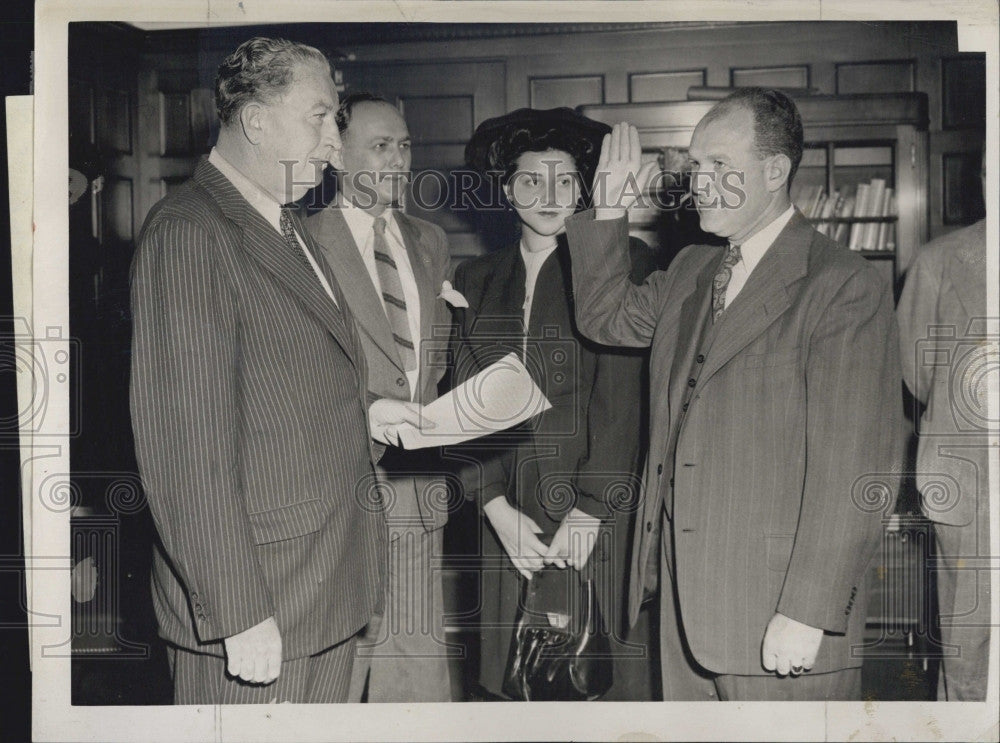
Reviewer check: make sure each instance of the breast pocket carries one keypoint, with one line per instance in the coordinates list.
(783, 357)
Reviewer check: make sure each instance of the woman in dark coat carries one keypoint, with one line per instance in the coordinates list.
(567, 478)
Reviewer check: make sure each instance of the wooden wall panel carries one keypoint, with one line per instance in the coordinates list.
(572, 91)
(663, 86)
(890, 76)
(790, 76)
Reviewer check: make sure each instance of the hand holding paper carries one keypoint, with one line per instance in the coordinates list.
(498, 397)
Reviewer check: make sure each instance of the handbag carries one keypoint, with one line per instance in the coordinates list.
(548, 662)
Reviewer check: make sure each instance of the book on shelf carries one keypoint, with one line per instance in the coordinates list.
(876, 194)
(862, 206)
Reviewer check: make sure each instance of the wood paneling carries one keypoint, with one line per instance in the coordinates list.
(887, 76)
(444, 119)
(663, 86)
(791, 76)
(571, 91)
(118, 208)
(963, 92)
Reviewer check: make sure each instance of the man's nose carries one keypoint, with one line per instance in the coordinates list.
(331, 133)
(398, 159)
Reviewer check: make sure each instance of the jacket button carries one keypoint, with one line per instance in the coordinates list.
(649, 526)
(701, 358)
(659, 469)
(671, 482)
(692, 382)
(400, 382)
(684, 407)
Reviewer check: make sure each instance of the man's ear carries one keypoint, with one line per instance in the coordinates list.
(777, 171)
(253, 121)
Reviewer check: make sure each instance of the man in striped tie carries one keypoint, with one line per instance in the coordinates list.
(775, 420)
(392, 267)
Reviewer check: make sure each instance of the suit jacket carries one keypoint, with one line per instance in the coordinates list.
(417, 495)
(774, 436)
(249, 408)
(943, 336)
(585, 448)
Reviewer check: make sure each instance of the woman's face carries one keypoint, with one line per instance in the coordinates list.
(544, 191)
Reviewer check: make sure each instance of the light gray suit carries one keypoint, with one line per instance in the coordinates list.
(948, 363)
(774, 433)
(407, 647)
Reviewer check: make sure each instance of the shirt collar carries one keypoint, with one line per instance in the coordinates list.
(259, 199)
(754, 247)
(361, 222)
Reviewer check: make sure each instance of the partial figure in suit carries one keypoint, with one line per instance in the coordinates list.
(252, 419)
(561, 489)
(392, 268)
(948, 362)
(774, 417)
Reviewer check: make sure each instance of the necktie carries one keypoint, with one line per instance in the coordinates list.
(721, 280)
(393, 298)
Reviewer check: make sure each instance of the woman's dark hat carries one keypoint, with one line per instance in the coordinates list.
(566, 120)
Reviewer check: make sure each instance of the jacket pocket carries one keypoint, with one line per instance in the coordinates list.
(774, 358)
(288, 522)
(779, 550)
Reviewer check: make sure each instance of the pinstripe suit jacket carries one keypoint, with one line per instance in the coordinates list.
(417, 494)
(766, 442)
(249, 410)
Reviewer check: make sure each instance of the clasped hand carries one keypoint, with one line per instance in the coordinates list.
(571, 546)
(789, 647)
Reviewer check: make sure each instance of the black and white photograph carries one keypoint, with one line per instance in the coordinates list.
(396, 360)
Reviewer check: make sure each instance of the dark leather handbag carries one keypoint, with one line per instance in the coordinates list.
(552, 663)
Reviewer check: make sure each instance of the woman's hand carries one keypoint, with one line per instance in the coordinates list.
(621, 177)
(517, 535)
(574, 541)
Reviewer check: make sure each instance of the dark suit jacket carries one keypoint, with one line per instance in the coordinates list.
(249, 406)
(772, 444)
(414, 476)
(943, 334)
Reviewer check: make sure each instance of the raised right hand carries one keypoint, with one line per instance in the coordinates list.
(254, 654)
(621, 175)
(517, 535)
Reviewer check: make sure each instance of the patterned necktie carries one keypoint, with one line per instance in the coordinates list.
(393, 298)
(721, 280)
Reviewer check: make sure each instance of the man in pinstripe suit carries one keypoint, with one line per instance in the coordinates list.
(775, 418)
(252, 420)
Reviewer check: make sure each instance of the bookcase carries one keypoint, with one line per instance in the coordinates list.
(850, 140)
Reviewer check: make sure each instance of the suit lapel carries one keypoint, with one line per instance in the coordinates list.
(764, 297)
(499, 322)
(694, 314)
(330, 230)
(267, 247)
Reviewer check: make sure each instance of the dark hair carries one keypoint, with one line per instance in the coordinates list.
(776, 122)
(508, 147)
(259, 70)
(346, 109)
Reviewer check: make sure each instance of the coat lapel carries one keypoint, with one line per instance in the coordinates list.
(693, 315)
(499, 323)
(330, 230)
(764, 297)
(268, 248)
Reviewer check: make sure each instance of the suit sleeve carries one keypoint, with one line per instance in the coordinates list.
(607, 473)
(184, 414)
(610, 309)
(917, 310)
(487, 476)
(853, 452)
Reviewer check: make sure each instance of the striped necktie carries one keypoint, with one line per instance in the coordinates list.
(721, 280)
(393, 298)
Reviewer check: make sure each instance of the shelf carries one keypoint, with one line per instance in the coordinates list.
(876, 254)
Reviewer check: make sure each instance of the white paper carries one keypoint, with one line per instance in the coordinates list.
(498, 397)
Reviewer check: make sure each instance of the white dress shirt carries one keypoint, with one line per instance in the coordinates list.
(532, 266)
(266, 206)
(362, 227)
(752, 250)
